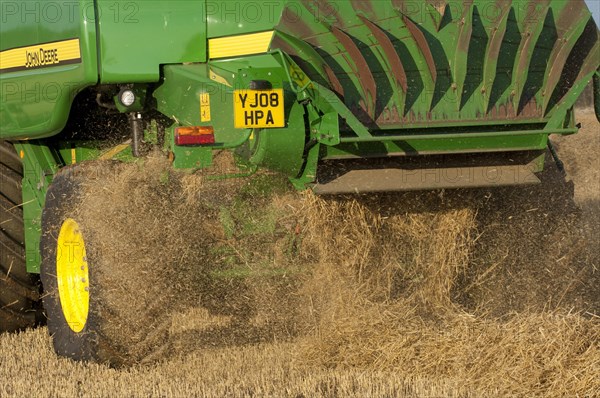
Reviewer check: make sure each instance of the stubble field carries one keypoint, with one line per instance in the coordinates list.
(271, 293)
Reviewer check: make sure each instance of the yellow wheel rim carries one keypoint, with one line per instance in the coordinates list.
(72, 275)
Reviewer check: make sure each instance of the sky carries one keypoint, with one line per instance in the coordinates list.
(594, 6)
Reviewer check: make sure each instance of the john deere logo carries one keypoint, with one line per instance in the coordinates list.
(41, 55)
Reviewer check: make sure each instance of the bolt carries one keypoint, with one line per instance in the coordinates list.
(82, 280)
(87, 289)
(83, 267)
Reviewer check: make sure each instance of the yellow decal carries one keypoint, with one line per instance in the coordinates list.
(204, 107)
(298, 76)
(218, 78)
(236, 46)
(40, 56)
(111, 153)
(258, 108)
(72, 275)
(73, 156)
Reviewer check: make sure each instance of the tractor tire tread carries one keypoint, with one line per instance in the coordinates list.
(19, 292)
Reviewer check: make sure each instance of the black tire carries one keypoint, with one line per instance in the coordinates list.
(19, 291)
(93, 342)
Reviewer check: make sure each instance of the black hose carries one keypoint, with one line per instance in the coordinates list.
(559, 163)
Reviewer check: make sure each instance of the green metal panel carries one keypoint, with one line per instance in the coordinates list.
(40, 163)
(35, 103)
(179, 97)
(430, 146)
(230, 18)
(401, 64)
(137, 37)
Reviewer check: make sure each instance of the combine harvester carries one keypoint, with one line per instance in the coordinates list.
(340, 96)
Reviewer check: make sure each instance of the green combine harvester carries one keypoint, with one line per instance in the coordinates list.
(339, 96)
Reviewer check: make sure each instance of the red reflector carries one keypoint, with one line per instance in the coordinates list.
(195, 135)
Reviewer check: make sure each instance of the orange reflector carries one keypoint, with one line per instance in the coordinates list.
(194, 135)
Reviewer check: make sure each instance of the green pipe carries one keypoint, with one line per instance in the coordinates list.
(455, 135)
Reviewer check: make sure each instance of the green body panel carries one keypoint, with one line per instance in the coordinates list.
(40, 163)
(137, 37)
(229, 18)
(400, 65)
(179, 98)
(36, 103)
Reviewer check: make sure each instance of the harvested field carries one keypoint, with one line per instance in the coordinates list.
(485, 293)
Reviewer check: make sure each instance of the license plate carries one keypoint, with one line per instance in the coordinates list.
(258, 108)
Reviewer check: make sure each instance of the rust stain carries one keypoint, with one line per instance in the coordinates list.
(419, 38)
(325, 11)
(364, 6)
(497, 33)
(465, 29)
(362, 70)
(532, 110)
(569, 17)
(390, 52)
(390, 115)
(333, 79)
(293, 24)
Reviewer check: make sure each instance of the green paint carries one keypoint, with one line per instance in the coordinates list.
(40, 163)
(137, 37)
(36, 103)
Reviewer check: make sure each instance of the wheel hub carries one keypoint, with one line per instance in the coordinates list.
(72, 275)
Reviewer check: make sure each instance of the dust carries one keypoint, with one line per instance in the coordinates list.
(494, 290)
(180, 258)
(395, 300)
(150, 252)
